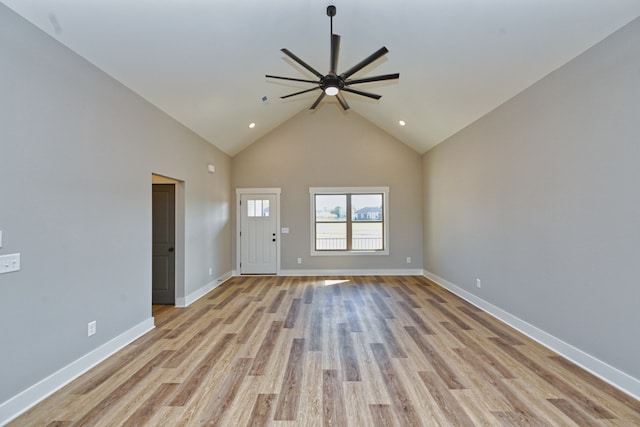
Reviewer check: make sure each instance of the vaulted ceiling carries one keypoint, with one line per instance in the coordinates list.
(204, 62)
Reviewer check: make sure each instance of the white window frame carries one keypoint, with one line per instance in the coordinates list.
(313, 191)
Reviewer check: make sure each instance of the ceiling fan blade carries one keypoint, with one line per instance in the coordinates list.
(342, 101)
(300, 93)
(373, 79)
(301, 62)
(368, 60)
(335, 51)
(315, 104)
(291, 78)
(359, 92)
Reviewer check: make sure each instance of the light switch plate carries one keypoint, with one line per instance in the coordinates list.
(0, 238)
(9, 263)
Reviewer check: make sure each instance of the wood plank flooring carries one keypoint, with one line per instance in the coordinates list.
(333, 351)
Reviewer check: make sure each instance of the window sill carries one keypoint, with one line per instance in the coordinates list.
(349, 253)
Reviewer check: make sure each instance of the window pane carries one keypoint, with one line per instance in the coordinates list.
(331, 236)
(330, 207)
(367, 236)
(257, 208)
(367, 207)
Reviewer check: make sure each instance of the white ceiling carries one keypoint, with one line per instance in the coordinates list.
(203, 61)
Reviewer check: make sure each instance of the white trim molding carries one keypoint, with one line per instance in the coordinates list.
(199, 293)
(600, 369)
(361, 272)
(21, 402)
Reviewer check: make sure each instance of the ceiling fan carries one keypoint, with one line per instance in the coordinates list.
(332, 83)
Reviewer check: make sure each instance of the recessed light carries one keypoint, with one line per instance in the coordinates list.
(252, 125)
(401, 122)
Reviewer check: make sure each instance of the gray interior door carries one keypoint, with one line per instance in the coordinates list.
(163, 264)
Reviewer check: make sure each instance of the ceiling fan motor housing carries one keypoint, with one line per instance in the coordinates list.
(332, 80)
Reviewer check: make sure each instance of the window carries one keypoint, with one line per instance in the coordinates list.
(257, 208)
(347, 221)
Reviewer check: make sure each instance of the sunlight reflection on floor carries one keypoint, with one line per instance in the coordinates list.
(334, 282)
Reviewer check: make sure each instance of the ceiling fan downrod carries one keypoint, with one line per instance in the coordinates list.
(331, 12)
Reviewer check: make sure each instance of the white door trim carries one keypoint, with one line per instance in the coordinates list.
(239, 193)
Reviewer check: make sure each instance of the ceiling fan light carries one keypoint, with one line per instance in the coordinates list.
(331, 90)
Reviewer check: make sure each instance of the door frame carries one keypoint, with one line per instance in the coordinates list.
(243, 191)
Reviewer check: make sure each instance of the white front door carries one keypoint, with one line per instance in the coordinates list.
(258, 234)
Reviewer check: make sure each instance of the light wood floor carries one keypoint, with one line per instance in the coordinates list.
(352, 351)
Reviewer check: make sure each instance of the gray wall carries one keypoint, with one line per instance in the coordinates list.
(329, 148)
(77, 154)
(539, 199)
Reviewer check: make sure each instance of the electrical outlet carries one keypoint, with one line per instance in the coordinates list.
(210, 271)
(408, 260)
(91, 328)
(478, 283)
(299, 260)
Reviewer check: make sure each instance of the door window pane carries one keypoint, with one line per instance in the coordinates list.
(257, 208)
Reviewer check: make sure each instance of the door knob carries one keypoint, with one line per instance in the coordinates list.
(170, 249)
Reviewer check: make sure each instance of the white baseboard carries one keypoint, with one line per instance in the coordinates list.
(18, 404)
(602, 370)
(363, 272)
(199, 293)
